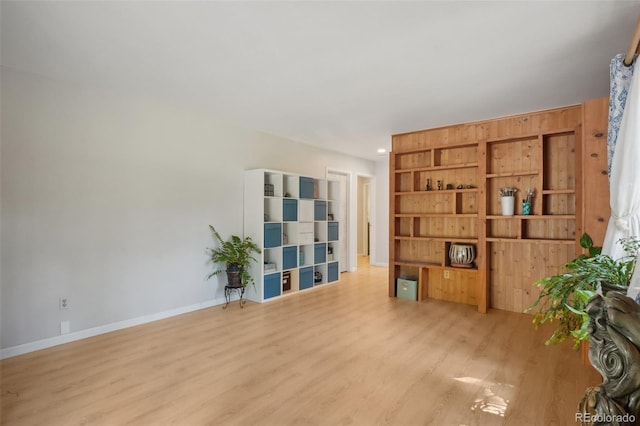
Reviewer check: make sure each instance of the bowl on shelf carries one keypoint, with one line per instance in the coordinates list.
(462, 255)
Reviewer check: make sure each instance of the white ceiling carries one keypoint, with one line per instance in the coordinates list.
(341, 75)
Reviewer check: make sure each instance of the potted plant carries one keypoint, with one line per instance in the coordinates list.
(237, 255)
(563, 297)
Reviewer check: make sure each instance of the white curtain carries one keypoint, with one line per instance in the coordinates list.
(624, 163)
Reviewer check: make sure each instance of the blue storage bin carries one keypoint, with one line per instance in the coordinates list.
(306, 277)
(333, 231)
(407, 288)
(320, 253)
(320, 210)
(332, 273)
(272, 284)
(272, 235)
(290, 210)
(306, 187)
(289, 257)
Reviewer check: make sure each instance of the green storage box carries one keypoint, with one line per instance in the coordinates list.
(407, 288)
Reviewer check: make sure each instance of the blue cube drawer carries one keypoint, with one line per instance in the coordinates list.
(320, 210)
(272, 284)
(306, 277)
(407, 288)
(272, 235)
(332, 273)
(306, 187)
(290, 210)
(333, 231)
(289, 257)
(320, 253)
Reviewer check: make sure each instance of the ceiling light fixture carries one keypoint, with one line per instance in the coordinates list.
(381, 151)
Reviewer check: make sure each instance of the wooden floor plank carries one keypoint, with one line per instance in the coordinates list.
(341, 354)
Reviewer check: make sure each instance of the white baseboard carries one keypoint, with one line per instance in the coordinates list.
(383, 264)
(107, 328)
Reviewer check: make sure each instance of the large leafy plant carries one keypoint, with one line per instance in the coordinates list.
(563, 297)
(236, 254)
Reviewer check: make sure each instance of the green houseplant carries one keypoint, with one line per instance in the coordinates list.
(236, 254)
(563, 298)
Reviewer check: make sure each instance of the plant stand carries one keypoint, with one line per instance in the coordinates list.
(228, 289)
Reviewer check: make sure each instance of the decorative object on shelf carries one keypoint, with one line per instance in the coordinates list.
(301, 258)
(285, 238)
(329, 253)
(449, 186)
(266, 217)
(439, 185)
(317, 277)
(462, 255)
(286, 281)
(428, 185)
(268, 190)
(614, 328)
(287, 195)
(507, 201)
(461, 186)
(237, 255)
(330, 216)
(526, 203)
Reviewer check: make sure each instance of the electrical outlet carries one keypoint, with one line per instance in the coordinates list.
(446, 274)
(64, 303)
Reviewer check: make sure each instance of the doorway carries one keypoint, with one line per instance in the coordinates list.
(364, 217)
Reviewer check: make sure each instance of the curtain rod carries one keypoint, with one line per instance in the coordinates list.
(633, 47)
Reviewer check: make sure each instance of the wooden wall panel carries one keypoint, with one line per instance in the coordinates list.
(460, 287)
(515, 267)
(595, 206)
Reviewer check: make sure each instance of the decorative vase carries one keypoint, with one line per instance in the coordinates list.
(508, 205)
(462, 255)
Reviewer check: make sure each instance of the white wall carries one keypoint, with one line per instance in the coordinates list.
(380, 214)
(106, 199)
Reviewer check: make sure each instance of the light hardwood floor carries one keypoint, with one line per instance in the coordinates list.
(345, 354)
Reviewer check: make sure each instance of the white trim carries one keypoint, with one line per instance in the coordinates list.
(107, 328)
(383, 264)
(372, 212)
(350, 225)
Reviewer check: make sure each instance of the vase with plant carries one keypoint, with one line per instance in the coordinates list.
(236, 254)
(563, 298)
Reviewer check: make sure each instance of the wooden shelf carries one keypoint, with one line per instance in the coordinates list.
(436, 147)
(527, 136)
(513, 174)
(530, 240)
(436, 191)
(416, 264)
(457, 268)
(435, 215)
(441, 239)
(438, 168)
(533, 217)
(558, 191)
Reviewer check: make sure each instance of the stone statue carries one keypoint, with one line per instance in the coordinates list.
(614, 350)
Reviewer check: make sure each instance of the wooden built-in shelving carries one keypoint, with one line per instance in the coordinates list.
(541, 151)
